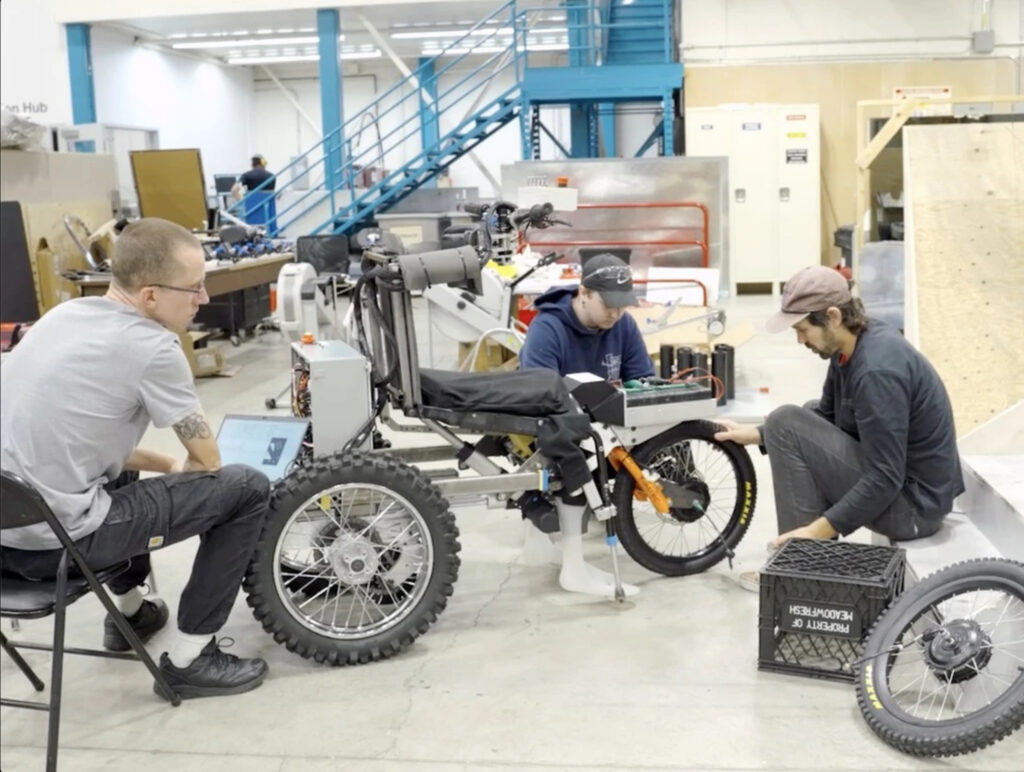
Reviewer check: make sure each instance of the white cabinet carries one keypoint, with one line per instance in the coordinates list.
(774, 185)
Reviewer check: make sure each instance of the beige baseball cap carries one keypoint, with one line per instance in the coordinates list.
(810, 289)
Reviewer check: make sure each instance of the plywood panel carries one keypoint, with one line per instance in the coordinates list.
(170, 185)
(836, 87)
(964, 197)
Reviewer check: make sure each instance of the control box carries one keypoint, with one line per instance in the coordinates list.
(331, 386)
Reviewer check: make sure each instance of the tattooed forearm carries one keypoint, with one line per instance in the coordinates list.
(194, 427)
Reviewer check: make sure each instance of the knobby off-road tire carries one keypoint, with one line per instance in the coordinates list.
(353, 535)
(687, 541)
(943, 667)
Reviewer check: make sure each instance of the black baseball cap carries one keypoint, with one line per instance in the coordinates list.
(611, 278)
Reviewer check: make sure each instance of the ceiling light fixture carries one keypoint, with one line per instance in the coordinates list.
(258, 58)
(251, 42)
(456, 33)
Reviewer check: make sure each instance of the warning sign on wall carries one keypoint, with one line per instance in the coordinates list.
(937, 98)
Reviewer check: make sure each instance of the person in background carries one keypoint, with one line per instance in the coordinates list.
(253, 178)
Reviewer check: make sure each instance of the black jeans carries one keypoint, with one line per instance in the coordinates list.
(815, 463)
(225, 509)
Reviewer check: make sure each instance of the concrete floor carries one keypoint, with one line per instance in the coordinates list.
(515, 675)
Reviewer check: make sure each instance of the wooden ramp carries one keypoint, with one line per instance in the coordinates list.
(964, 213)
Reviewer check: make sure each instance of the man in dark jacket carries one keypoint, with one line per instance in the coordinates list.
(878, 449)
(586, 330)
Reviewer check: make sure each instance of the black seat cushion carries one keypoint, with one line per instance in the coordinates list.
(534, 402)
(534, 392)
(484, 422)
(32, 599)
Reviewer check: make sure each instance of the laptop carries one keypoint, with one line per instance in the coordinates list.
(265, 442)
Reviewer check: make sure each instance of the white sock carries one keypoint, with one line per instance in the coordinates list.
(130, 603)
(185, 648)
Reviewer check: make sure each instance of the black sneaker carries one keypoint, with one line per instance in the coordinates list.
(538, 509)
(146, 622)
(213, 673)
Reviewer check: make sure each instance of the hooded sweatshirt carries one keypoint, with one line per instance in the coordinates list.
(557, 340)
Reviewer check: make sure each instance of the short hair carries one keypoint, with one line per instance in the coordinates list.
(854, 317)
(146, 252)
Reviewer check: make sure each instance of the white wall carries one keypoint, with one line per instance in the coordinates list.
(191, 103)
(34, 80)
(734, 31)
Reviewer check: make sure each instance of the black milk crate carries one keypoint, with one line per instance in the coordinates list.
(818, 602)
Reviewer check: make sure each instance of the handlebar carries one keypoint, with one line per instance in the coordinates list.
(536, 214)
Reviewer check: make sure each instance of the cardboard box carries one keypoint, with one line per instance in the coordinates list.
(490, 357)
(202, 361)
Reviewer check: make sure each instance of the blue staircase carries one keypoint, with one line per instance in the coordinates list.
(350, 189)
(636, 34)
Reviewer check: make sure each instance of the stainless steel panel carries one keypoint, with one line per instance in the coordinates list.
(636, 181)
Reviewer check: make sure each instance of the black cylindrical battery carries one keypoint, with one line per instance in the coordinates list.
(700, 362)
(684, 358)
(719, 369)
(665, 361)
(730, 369)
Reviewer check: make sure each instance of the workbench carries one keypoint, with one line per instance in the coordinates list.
(222, 277)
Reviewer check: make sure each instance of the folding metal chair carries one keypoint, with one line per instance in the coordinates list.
(21, 505)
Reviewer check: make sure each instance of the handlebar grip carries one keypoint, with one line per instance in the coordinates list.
(477, 209)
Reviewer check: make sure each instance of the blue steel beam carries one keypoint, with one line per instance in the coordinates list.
(619, 83)
(428, 111)
(328, 29)
(668, 119)
(607, 113)
(83, 95)
(580, 140)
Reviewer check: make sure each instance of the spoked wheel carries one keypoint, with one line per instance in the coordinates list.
(943, 669)
(721, 490)
(357, 559)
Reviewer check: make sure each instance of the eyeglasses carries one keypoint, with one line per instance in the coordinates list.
(191, 290)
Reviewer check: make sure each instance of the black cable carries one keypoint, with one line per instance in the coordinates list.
(378, 315)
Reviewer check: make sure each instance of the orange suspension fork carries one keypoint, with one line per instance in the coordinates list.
(646, 489)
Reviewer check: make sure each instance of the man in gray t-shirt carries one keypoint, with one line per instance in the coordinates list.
(76, 396)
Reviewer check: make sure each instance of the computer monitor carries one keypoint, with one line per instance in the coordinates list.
(224, 182)
(265, 442)
(327, 253)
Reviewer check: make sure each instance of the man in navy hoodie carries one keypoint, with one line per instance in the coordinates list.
(586, 329)
(581, 329)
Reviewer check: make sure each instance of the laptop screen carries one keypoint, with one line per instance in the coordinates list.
(268, 443)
